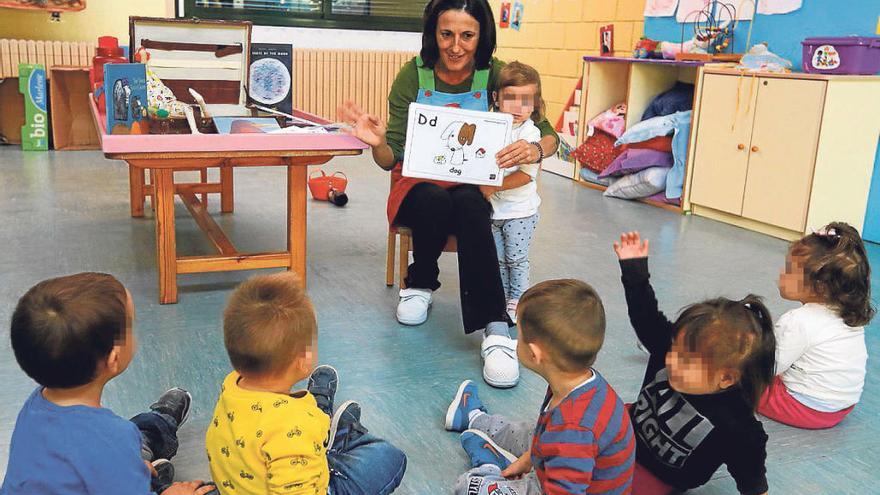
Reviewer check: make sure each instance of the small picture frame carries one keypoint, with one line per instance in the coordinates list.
(516, 15)
(606, 40)
(505, 15)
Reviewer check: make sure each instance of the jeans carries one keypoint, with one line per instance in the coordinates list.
(158, 441)
(433, 213)
(513, 237)
(512, 436)
(362, 464)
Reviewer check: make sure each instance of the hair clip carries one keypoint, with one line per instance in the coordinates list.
(753, 309)
(826, 232)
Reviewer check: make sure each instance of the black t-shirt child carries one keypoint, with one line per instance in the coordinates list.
(683, 439)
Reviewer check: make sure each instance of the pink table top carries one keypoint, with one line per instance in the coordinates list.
(183, 143)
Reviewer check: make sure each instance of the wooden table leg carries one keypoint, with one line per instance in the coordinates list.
(166, 247)
(227, 199)
(203, 179)
(296, 218)
(136, 190)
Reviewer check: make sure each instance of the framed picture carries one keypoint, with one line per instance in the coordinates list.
(505, 15)
(606, 40)
(517, 14)
(455, 145)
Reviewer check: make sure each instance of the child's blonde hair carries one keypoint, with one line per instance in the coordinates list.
(837, 269)
(269, 319)
(519, 74)
(568, 317)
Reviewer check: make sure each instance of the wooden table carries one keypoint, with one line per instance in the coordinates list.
(163, 155)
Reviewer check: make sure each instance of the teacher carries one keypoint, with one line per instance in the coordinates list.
(455, 68)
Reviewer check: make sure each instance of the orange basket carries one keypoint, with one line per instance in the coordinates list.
(320, 185)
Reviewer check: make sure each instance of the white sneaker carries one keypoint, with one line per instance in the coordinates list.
(413, 306)
(500, 365)
(511, 309)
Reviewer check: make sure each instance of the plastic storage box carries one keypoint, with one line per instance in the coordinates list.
(843, 55)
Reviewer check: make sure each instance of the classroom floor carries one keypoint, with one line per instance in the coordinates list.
(68, 212)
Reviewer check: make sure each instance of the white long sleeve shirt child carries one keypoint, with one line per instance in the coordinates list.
(820, 359)
(523, 201)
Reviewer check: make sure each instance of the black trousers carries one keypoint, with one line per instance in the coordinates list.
(432, 214)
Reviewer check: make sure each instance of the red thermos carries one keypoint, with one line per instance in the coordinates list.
(107, 52)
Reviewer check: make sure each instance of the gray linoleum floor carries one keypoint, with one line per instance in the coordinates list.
(68, 212)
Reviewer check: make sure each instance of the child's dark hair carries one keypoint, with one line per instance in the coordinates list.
(734, 334)
(63, 327)
(479, 10)
(566, 315)
(268, 320)
(517, 73)
(836, 267)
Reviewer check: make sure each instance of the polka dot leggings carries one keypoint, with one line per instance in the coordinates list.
(513, 237)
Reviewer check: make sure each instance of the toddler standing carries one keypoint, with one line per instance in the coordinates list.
(515, 203)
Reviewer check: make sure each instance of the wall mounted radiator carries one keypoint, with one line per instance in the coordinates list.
(323, 79)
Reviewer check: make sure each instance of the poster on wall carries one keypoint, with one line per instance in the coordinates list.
(517, 15)
(271, 76)
(606, 40)
(505, 15)
(660, 8)
(455, 145)
(688, 10)
(53, 6)
(770, 7)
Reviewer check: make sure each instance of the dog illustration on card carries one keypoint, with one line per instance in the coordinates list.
(459, 137)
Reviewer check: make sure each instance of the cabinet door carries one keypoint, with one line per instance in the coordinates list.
(722, 142)
(783, 152)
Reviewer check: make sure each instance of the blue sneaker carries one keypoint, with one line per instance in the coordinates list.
(482, 450)
(323, 383)
(466, 400)
(345, 424)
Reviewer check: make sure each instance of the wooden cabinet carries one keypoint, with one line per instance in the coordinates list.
(783, 154)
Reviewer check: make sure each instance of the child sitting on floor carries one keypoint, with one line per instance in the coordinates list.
(820, 347)
(705, 375)
(264, 439)
(515, 203)
(72, 335)
(583, 442)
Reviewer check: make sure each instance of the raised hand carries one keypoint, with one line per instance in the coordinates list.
(631, 246)
(364, 126)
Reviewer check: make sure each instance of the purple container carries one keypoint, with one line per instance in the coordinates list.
(842, 55)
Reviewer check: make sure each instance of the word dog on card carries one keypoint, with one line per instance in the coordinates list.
(455, 145)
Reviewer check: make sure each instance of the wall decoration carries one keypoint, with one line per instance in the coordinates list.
(47, 5)
(505, 15)
(660, 8)
(516, 19)
(606, 40)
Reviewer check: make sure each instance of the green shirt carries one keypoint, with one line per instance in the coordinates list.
(406, 88)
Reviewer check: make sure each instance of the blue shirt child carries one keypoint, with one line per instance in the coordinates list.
(58, 450)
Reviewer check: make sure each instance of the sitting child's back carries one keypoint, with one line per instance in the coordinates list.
(254, 429)
(49, 440)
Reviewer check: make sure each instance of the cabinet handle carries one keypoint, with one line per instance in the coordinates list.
(740, 146)
(755, 149)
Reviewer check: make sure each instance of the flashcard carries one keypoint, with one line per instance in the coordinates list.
(455, 145)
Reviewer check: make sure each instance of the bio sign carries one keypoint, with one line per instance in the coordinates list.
(32, 84)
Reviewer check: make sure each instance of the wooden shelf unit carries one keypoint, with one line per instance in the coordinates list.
(608, 81)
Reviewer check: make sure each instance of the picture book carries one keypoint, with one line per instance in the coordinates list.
(246, 125)
(271, 76)
(125, 87)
